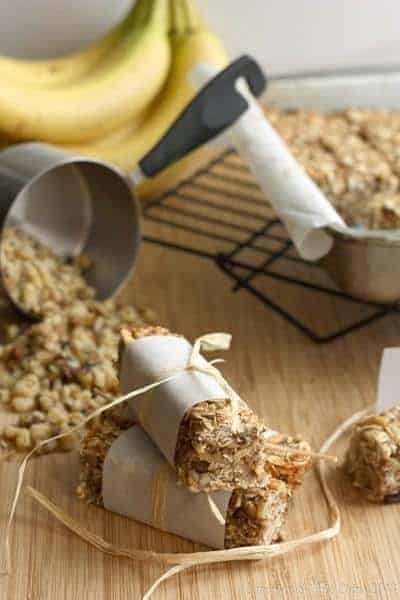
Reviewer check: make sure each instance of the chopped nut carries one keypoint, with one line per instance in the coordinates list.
(10, 432)
(57, 415)
(4, 396)
(12, 331)
(53, 371)
(23, 439)
(38, 279)
(23, 404)
(40, 431)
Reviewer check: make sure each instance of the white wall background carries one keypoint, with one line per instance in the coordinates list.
(285, 35)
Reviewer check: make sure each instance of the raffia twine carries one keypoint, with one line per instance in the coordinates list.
(183, 561)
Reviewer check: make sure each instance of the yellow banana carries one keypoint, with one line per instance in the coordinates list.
(5, 142)
(104, 100)
(192, 43)
(65, 69)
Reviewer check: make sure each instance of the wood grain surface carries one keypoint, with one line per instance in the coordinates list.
(295, 385)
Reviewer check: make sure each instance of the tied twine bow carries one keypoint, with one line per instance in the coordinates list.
(208, 343)
(211, 343)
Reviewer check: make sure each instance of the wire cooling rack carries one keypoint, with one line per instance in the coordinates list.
(220, 214)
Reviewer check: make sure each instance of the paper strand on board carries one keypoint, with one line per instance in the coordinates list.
(389, 380)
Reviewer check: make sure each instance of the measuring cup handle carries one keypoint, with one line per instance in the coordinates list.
(213, 110)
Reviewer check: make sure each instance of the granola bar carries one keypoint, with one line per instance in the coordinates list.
(373, 457)
(209, 455)
(253, 516)
(353, 156)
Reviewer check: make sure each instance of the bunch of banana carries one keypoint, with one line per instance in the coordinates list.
(64, 70)
(116, 98)
(191, 43)
(117, 87)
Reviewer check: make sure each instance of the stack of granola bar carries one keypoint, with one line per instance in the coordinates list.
(256, 466)
(254, 516)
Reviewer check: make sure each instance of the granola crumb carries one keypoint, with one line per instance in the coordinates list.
(373, 457)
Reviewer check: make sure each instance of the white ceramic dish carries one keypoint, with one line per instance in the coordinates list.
(44, 28)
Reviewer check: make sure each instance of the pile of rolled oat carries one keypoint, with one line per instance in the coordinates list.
(353, 156)
(53, 372)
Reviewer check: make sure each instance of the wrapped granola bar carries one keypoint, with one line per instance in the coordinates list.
(191, 417)
(123, 471)
(373, 457)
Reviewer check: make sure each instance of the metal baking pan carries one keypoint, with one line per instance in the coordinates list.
(369, 267)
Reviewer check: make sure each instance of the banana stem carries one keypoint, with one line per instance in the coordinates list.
(141, 11)
(192, 15)
(178, 18)
(158, 12)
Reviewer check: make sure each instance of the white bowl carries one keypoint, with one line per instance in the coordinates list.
(40, 28)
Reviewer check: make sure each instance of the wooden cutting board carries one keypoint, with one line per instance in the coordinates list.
(296, 386)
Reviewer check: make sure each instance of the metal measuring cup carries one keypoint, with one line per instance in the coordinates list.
(75, 204)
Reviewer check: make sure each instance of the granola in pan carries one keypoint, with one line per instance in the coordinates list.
(254, 516)
(373, 457)
(353, 156)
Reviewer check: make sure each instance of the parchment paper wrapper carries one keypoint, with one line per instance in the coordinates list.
(296, 199)
(138, 483)
(160, 412)
(389, 380)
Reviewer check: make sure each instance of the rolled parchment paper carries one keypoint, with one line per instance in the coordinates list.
(138, 483)
(389, 380)
(297, 200)
(160, 412)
